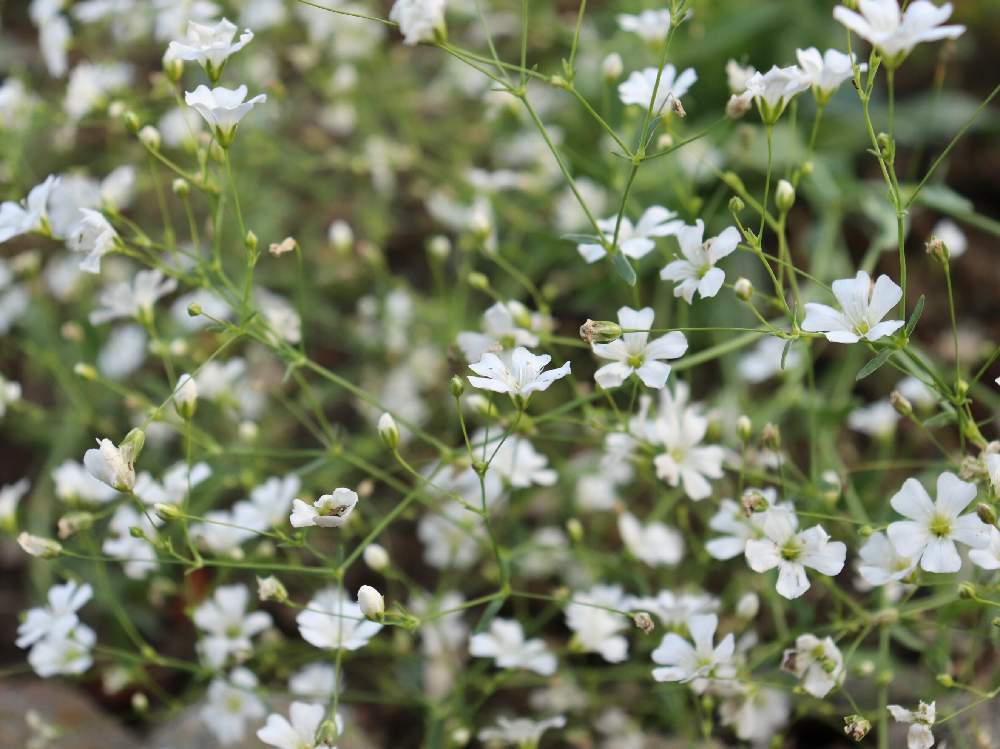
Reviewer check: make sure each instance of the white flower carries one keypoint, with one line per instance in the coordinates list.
(231, 705)
(864, 305)
(515, 460)
(919, 735)
(111, 464)
(419, 20)
(738, 75)
(10, 496)
(697, 271)
(519, 374)
(222, 108)
(893, 33)
(735, 526)
(638, 87)
(520, 731)
(917, 392)
(75, 484)
(209, 45)
(505, 643)
(300, 732)
(818, 663)
(654, 543)
(227, 626)
(451, 539)
(755, 713)
(595, 628)
(634, 353)
(58, 618)
(371, 602)
(136, 552)
(932, 528)
(675, 609)
(32, 216)
(314, 681)
(329, 511)
(91, 83)
(684, 663)
(135, 299)
(877, 419)
(764, 361)
(94, 235)
(650, 25)
(186, 395)
(10, 392)
(64, 656)
(988, 557)
(953, 237)
(826, 71)
(332, 621)
(685, 461)
(635, 241)
(505, 325)
(774, 89)
(792, 551)
(880, 562)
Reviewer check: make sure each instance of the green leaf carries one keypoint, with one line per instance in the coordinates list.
(875, 363)
(581, 238)
(624, 268)
(488, 615)
(915, 317)
(939, 420)
(784, 353)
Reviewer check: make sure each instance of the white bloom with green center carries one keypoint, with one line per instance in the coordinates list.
(680, 429)
(94, 235)
(863, 306)
(932, 528)
(791, 551)
(222, 108)
(634, 353)
(895, 34)
(329, 511)
(334, 621)
(419, 20)
(111, 464)
(696, 271)
(596, 624)
(881, 563)
(226, 625)
(135, 299)
(826, 71)
(300, 729)
(817, 663)
(638, 87)
(683, 661)
(31, 216)
(649, 25)
(774, 89)
(919, 735)
(634, 240)
(506, 644)
(519, 374)
(210, 45)
(231, 705)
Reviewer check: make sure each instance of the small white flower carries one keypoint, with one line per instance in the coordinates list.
(877, 419)
(864, 305)
(64, 656)
(893, 33)
(209, 45)
(919, 735)
(736, 527)
(333, 621)
(738, 75)
(419, 20)
(680, 429)
(329, 511)
(314, 681)
(881, 564)
(791, 551)
(520, 731)
(58, 618)
(764, 361)
(697, 271)
(634, 353)
(94, 235)
(653, 543)
(519, 374)
(953, 237)
(818, 663)
(231, 705)
(756, 714)
(505, 643)
(32, 216)
(37, 546)
(635, 241)
(826, 71)
(638, 87)
(774, 89)
(376, 557)
(932, 528)
(222, 108)
(10, 496)
(683, 662)
(299, 732)
(135, 299)
(111, 464)
(988, 557)
(136, 552)
(506, 325)
(371, 602)
(228, 628)
(595, 628)
(649, 25)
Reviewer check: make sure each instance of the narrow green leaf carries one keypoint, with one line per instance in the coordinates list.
(915, 317)
(939, 420)
(489, 615)
(784, 353)
(624, 268)
(874, 363)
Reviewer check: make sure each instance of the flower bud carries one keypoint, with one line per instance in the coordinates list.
(376, 557)
(478, 281)
(456, 386)
(131, 120)
(186, 396)
(247, 430)
(643, 621)
(744, 428)
(74, 522)
(748, 606)
(986, 513)
(744, 289)
(945, 680)
(784, 196)
(250, 241)
(181, 188)
(600, 331)
(736, 204)
(85, 371)
(388, 431)
(753, 502)
(899, 401)
(856, 727)
(439, 246)
(194, 309)
(36, 546)
(966, 590)
(371, 602)
(575, 529)
(612, 67)
(271, 589)
(738, 105)
(665, 141)
(173, 67)
(770, 435)
(168, 511)
(140, 703)
(149, 136)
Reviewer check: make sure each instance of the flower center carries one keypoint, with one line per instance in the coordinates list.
(791, 551)
(635, 361)
(941, 526)
(233, 631)
(862, 327)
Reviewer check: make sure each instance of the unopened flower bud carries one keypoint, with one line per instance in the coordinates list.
(36, 546)
(341, 236)
(376, 557)
(186, 396)
(149, 136)
(986, 513)
(753, 502)
(738, 105)
(966, 590)
(744, 289)
(456, 386)
(371, 602)
(85, 371)
(575, 529)
(612, 67)
(643, 621)
(945, 680)
(736, 204)
(131, 120)
(181, 187)
(271, 588)
(74, 522)
(194, 309)
(439, 246)
(744, 428)
(388, 431)
(784, 196)
(173, 67)
(748, 606)
(665, 141)
(478, 281)
(937, 249)
(899, 401)
(250, 241)
(770, 435)
(168, 511)
(856, 727)
(600, 331)
(830, 485)
(140, 702)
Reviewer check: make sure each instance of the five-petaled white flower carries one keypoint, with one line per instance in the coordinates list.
(231, 704)
(880, 562)
(791, 551)
(680, 428)
(774, 89)
(635, 353)
(653, 543)
(519, 374)
(932, 528)
(58, 618)
(210, 45)
(135, 299)
(818, 663)
(649, 25)
(222, 108)
(683, 662)
(826, 71)
(505, 643)
(919, 735)
(299, 732)
(638, 87)
(333, 620)
(634, 241)
(893, 33)
(329, 511)
(419, 20)
(696, 271)
(864, 305)
(227, 626)
(596, 627)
